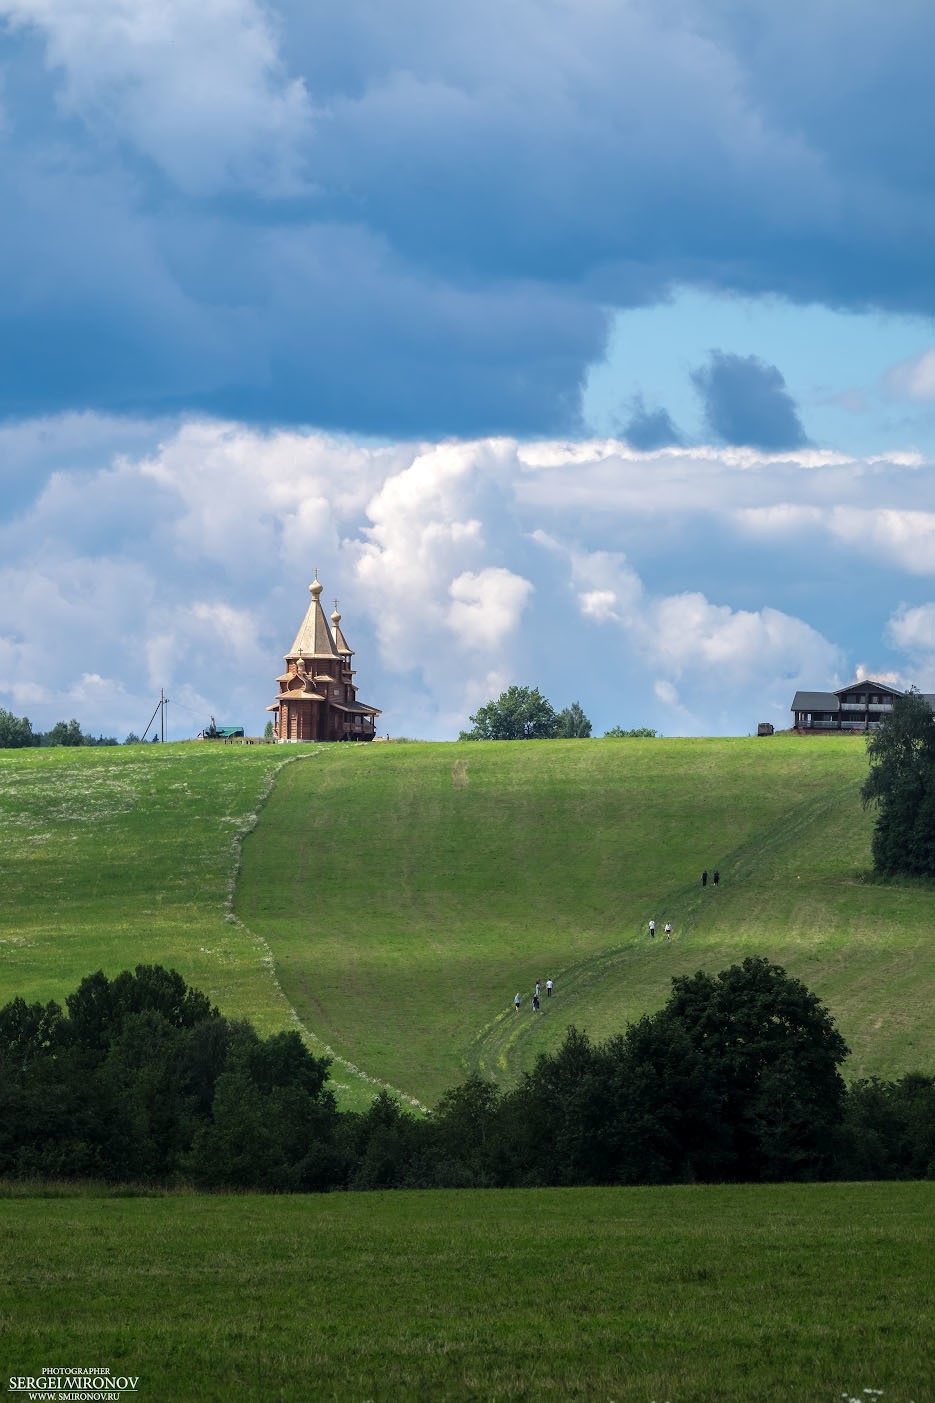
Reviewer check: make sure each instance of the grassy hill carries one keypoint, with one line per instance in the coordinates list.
(115, 856)
(393, 898)
(409, 891)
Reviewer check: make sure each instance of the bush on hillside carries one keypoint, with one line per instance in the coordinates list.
(901, 787)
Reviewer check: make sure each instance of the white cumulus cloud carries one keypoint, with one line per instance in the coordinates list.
(697, 602)
(486, 606)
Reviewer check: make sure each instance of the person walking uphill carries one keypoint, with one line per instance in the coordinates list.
(717, 877)
(516, 1003)
(704, 878)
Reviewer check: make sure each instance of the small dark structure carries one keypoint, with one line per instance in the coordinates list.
(765, 728)
(216, 732)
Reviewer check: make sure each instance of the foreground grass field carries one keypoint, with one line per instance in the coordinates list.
(704, 1295)
(407, 892)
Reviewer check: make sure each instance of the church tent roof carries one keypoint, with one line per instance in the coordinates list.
(314, 636)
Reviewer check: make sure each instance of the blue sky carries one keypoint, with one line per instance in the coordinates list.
(579, 343)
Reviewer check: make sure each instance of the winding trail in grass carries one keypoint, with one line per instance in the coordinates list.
(500, 1048)
(311, 1038)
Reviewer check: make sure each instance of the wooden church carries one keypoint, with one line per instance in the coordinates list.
(317, 697)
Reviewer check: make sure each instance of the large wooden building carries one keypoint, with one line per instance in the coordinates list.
(317, 697)
(863, 706)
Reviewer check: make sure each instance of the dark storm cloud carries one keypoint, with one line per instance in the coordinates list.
(415, 222)
(648, 429)
(746, 402)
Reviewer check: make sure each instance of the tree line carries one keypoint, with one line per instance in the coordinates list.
(16, 733)
(737, 1078)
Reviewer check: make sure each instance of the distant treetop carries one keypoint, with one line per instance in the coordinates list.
(523, 713)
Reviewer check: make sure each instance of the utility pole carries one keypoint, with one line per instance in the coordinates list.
(161, 705)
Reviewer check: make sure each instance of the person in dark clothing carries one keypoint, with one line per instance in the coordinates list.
(717, 876)
(704, 878)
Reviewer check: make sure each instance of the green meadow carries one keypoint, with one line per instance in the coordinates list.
(408, 892)
(765, 1294)
(116, 856)
(389, 900)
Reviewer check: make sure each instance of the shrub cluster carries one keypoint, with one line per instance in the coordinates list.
(736, 1078)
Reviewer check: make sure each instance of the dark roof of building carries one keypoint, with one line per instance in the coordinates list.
(868, 684)
(356, 708)
(815, 701)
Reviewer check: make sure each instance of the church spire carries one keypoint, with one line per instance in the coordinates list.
(314, 637)
(340, 642)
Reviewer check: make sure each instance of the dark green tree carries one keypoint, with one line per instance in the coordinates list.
(65, 733)
(466, 1135)
(272, 1120)
(559, 1121)
(572, 724)
(735, 1078)
(144, 1080)
(99, 1006)
(387, 1148)
(889, 1129)
(901, 787)
(519, 713)
(15, 732)
(773, 1053)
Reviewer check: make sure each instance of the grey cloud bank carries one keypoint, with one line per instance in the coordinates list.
(313, 214)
